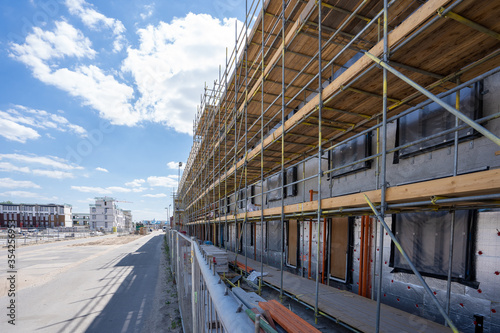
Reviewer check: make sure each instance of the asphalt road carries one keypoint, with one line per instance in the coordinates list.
(83, 285)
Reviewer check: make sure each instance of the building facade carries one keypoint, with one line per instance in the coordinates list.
(127, 220)
(35, 215)
(81, 219)
(106, 216)
(288, 157)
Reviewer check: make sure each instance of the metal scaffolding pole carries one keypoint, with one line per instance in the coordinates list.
(383, 169)
(246, 131)
(237, 248)
(453, 216)
(262, 158)
(225, 155)
(320, 109)
(283, 87)
(221, 234)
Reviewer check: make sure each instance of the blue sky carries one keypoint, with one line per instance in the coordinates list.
(98, 97)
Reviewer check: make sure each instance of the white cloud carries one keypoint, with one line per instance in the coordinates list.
(26, 195)
(55, 167)
(11, 183)
(14, 132)
(101, 169)
(95, 87)
(88, 200)
(169, 181)
(105, 190)
(135, 183)
(57, 174)
(118, 189)
(175, 165)
(50, 161)
(159, 195)
(9, 167)
(97, 21)
(21, 120)
(90, 189)
(148, 11)
(64, 41)
(169, 70)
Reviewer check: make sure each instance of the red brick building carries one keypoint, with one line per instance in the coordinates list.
(35, 215)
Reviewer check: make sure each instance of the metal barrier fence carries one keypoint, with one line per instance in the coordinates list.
(35, 236)
(205, 302)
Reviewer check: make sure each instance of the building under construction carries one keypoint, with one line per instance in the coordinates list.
(351, 149)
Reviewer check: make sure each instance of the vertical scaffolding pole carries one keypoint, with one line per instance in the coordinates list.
(206, 212)
(236, 245)
(453, 216)
(212, 180)
(375, 224)
(246, 131)
(262, 156)
(225, 155)
(282, 146)
(221, 234)
(383, 170)
(320, 109)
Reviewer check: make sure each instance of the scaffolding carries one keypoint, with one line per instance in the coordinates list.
(307, 77)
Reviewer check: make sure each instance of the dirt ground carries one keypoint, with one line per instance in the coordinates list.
(111, 241)
(165, 314)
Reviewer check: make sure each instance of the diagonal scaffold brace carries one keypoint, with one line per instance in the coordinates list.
(412, 266)
(435, 99)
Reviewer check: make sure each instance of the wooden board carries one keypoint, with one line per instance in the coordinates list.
(287, 319)
(339, 247)
(292, 242)
(484, 182)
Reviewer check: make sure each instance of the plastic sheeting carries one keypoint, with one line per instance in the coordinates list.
(291, 176)
(350, 152)
(433, 119)
(426, 239)
(274, 184)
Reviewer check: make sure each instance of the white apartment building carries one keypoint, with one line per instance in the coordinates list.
(127, 218)
(81, 219)
(105, 215)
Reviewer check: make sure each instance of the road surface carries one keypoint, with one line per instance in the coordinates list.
(101, 284)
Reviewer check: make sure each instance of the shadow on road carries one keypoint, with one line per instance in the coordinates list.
(129, 308)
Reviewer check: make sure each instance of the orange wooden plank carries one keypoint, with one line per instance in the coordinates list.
(242, 266)
(287, 319)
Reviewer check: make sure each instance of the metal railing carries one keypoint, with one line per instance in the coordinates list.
(205, 302)
(25, 236)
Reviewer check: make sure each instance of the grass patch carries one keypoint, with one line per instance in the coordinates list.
(175, 323)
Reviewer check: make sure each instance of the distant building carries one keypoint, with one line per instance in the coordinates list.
(35, 215)
(127, 217)
(81, 219)
(105, 215)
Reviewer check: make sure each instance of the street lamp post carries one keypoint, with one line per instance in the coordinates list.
(168, 215)
(180, 166)
(169, 221)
